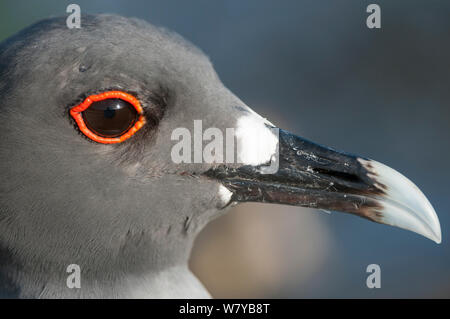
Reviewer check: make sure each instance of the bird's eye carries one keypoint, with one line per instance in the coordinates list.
(109, 117)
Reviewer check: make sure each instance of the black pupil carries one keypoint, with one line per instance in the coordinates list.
(110, 118)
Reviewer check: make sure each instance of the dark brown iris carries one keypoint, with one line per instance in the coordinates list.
(110, 117)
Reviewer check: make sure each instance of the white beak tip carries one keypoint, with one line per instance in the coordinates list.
(404, 205)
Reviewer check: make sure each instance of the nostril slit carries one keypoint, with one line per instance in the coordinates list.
(340, 175)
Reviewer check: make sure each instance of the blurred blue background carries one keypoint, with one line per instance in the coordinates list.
(314, 68)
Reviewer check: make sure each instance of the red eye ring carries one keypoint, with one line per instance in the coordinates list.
(76, 111)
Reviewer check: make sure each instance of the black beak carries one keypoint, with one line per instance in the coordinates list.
(311, 175)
